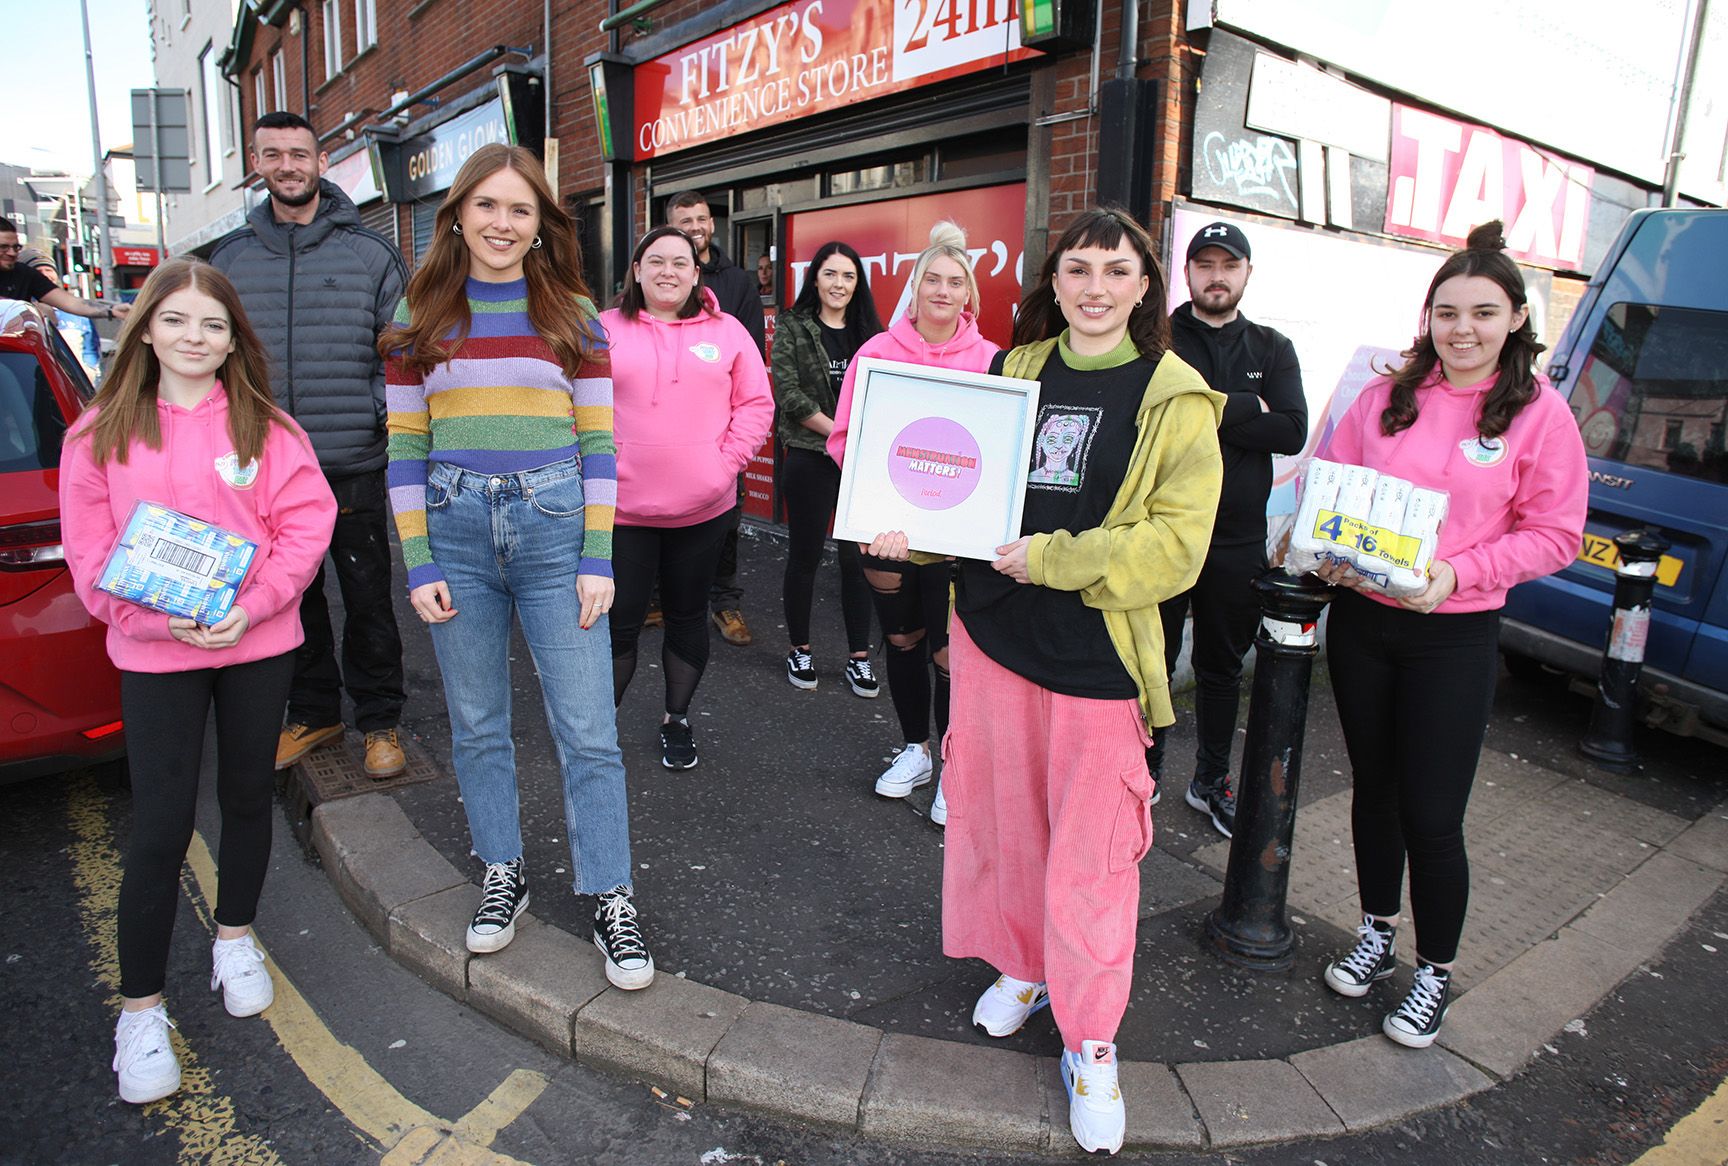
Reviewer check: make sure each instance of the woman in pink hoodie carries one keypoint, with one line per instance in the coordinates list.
(691, 406)
(186, 419)
(1468, 414)
(940, 328)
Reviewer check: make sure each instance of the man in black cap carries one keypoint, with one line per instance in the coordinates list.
(1256, 368)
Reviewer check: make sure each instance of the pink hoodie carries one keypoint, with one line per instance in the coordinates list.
(287, 509)
(690, 406)
(966, 350)
(1517, 503)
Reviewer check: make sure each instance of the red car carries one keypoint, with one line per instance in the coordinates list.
(59, 694)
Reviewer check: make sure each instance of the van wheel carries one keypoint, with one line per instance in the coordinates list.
(1529, 670)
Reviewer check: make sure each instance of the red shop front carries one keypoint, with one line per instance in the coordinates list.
(930, 123)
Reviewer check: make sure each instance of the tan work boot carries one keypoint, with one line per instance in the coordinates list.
(297, 740)
(732, 627)
(384, 756)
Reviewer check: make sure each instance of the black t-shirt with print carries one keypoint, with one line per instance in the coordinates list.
(24, 282)
(840, 352)
(1082, 445)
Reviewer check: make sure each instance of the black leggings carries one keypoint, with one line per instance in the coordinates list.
(681, 559)
(165, 714)
(912, 602)
(1414, 692)
(810, 484)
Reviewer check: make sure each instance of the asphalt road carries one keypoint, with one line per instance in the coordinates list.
(373, 1054)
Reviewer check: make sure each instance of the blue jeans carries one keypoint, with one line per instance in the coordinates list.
(512, 541)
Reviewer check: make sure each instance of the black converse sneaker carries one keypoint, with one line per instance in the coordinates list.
(618, 935)
(1372, 960)
(800, 669)
(503, 897)
(862, 677)
(1416, 1022)
(677, 745)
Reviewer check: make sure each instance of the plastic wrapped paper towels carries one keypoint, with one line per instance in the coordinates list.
(1384, 527)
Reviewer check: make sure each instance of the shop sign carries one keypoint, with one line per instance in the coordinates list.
(357, 175)
(431, 159)
(135, 257)
(889, 236)
(1447, 176)
(810, 57)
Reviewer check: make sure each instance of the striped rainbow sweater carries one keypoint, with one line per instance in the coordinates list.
(500, 405)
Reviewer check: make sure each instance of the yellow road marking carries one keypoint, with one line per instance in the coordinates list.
(202, 1117)
(412, 1136)
(1698, 1139)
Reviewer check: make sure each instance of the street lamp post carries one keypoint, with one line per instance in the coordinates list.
(104, 236)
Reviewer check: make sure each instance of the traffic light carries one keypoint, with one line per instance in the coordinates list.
(78, 259)
(96, 282)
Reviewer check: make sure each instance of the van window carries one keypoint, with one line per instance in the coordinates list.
(1654, 390)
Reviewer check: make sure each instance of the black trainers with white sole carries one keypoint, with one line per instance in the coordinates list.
(618, 935)
(677, 745)
(862, 677)
(800, 669)
(503, 898)
(1416, 1022)
(1373, 959)
(1218, 801)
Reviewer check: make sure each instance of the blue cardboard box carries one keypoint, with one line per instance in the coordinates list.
(176, 564)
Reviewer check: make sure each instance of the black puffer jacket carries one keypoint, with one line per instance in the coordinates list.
(318, 296)
(735, 288)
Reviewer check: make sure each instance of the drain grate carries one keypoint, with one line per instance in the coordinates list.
(338, 770)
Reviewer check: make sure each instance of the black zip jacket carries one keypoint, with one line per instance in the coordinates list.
(735, 288)
(1248, 363)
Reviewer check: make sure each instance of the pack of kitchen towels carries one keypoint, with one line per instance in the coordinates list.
(1384, 527)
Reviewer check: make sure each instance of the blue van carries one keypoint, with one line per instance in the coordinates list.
(1644, 365)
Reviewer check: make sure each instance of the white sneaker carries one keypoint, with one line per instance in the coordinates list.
(909, 770)
(1095, 1113)
(1007, 1003)
(143, 1057)
(237, 967)
(939, 807)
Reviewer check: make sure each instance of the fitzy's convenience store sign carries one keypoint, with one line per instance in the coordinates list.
(812, 56)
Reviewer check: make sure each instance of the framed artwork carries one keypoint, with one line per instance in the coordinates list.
(938, 453)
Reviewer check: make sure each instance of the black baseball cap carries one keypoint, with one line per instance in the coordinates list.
(1225, 235)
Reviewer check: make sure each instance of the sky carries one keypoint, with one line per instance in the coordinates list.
(47, 122)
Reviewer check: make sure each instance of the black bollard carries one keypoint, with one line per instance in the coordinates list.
(1608, 741)
(1249, 928)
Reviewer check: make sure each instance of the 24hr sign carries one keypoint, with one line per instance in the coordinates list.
(1446, 176)
(812, 56)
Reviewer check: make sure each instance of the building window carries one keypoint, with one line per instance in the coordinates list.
(332, 38)
(365, 25)
(213, 119)
(279, 72)
(260, 97)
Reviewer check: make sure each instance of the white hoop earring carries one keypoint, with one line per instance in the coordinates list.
(455, 228)
(536, 243)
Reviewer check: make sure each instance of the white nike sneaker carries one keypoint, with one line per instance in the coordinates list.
(1096, 1116)
(1006, 1005)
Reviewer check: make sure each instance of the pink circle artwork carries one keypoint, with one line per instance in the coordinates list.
(933, 463)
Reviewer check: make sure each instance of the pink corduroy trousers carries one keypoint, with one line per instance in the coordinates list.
(1048, 818)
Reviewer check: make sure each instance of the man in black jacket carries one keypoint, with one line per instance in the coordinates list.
(319, 288)
(736, 289)
(1267, 413)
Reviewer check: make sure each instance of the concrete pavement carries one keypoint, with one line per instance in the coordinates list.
(793, 916)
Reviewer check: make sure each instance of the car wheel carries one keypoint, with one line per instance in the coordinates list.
(1529, 670)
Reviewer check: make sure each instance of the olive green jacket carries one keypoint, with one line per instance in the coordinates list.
(799, 365)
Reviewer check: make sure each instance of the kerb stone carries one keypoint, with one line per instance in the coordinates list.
(661, 1034)
(377, 859)
(1245, 1102)
(1372, 1082)
(934, 1091)
(538, 984)
(793, 1063)
(429, 937)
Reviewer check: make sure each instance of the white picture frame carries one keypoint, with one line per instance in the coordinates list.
(938, 453)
